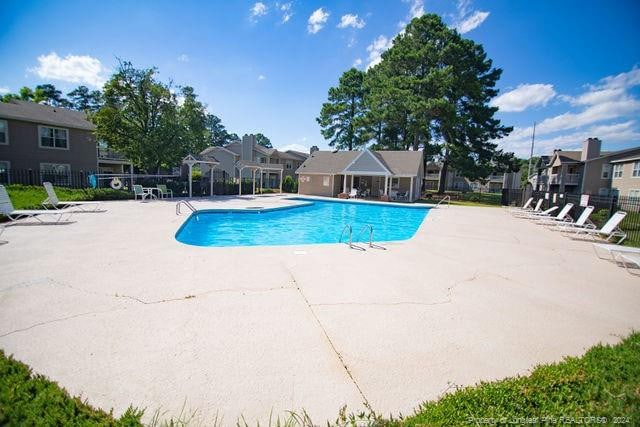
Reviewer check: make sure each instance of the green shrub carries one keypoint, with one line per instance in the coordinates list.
(605, 382)
(28, 399)
(289, 185)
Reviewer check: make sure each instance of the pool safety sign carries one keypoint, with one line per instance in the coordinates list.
(584, 200)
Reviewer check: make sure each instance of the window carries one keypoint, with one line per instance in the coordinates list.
(634, 193)
(617, 170)
(4, 132)
(325, 181)
(55, 173)
(5, 167)
(636, 169)
(614, 192)
(606, 171)
(288, 165)
(54, 138)
(262, 160)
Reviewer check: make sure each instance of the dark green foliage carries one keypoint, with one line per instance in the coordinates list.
(83, 99)
(27, 399)
(342, 118)
(263, 141)
(289, 185)
(217, 133)
(142, 119)
(605, 382)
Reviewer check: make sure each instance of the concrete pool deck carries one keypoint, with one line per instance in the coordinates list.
(114, 309)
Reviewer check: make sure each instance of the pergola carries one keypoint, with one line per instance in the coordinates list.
(256, 167)
(191, 160)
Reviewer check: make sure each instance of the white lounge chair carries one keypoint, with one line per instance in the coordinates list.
(528, 211)
(525, 207)
(353, 194)
(613, 250)
(53, 201)
(608, 231)
(581, 222)
(626, 258)
(563, 216)
(7, 209)
(538, 215)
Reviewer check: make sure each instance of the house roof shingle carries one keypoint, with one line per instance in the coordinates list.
(329, 162)
(44, 114)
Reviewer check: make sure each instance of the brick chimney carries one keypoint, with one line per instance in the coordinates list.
(590, 149)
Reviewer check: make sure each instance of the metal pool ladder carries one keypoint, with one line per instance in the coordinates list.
(371, 244)
(447, 198)
(187, 204)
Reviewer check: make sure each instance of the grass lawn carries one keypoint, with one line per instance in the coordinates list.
(31, 197)
(604, 383)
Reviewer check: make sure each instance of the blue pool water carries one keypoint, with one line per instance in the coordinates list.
(315, 222)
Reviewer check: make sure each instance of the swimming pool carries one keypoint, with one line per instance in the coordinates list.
(313, 221)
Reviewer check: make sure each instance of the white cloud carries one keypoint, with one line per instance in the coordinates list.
(286, 10)
(376, 49)
(317, 20)
(4, 89)
(259, 9)
(183, 58)
(607, 110)
(524, 96)
(417, 9)
(294, 147)
(467, 20)
(71, 68)
(351, 20)
(262, 77)
(357, 62)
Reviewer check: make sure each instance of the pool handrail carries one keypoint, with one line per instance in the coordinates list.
(447, 198)
(187, 204)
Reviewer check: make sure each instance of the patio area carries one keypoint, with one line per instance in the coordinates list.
(117, 311)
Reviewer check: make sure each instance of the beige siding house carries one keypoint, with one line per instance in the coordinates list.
(246, 157)
(625, 175)
(590, 171)
(373, 174)
(52, 140)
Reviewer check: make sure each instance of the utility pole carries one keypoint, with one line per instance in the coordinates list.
(533, 138)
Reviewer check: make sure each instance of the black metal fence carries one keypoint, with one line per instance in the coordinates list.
(604, 207)
(71, 179)
(223, 184)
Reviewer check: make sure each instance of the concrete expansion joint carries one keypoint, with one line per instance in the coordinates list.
(365, 401)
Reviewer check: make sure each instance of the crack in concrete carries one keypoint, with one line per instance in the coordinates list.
(61, 319)
(328, 338)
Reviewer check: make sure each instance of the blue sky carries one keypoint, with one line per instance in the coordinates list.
(266, 66)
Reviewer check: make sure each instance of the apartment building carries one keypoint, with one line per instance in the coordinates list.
(246, 155)
(590, 171)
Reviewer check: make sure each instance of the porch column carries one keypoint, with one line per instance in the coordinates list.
(386, 185)
(190, 179)
(261, 181)
(280, 182)
(411, 191)
(240, 182)
(211, 181)
(344, 185)
(253, 175)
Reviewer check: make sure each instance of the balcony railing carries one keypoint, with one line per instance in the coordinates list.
(568, 178)
(108, 154)
(431, 176)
